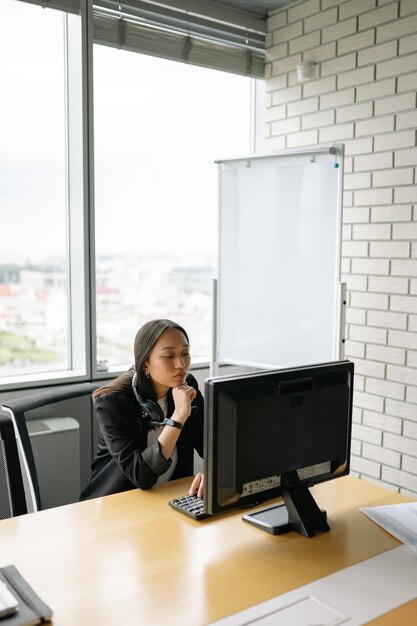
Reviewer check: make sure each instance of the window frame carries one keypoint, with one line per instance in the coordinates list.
(77, 243)
(80, 211)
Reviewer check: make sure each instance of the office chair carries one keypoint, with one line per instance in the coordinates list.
(17, 408)
(12, 493)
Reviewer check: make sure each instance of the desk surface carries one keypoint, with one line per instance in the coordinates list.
(130, 558)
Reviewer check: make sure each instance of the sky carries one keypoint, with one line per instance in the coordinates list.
(32, 190)
(159, 126)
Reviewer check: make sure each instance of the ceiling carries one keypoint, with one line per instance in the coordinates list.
(258, 8)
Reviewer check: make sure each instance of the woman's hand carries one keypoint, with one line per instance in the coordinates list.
(197, 486)
(182, 395)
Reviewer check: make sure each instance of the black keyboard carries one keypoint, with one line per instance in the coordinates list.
(189, 505)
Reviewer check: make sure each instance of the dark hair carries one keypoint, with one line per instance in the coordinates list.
(145, 339)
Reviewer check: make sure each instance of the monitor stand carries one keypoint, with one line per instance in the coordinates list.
(299, 513)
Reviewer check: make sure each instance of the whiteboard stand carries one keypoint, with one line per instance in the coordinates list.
(213, 358)
(342, 330)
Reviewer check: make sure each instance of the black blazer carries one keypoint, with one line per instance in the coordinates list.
(124, 460)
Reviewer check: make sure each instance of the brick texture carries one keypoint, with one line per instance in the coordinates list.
(364, 94)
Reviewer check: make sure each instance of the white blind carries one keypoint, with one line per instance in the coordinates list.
(181, 35)
(190, 32)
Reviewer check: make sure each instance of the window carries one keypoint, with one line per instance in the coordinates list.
(159, 126)
(34, 268)
(83, 262)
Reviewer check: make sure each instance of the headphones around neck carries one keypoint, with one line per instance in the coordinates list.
(151, 411)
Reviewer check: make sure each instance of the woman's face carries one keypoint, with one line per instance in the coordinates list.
(168, 361)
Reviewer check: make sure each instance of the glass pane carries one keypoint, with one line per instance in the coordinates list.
(33, 258)
(159, 126)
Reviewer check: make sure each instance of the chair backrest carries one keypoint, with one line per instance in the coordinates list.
(16, 408)
(12, 493)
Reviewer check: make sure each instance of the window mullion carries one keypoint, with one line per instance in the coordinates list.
(88, 182)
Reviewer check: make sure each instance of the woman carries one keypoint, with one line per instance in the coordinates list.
(150, 418)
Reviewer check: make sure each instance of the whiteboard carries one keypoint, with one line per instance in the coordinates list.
(278, 286)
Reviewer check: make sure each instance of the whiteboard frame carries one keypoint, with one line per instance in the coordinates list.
(332, 149)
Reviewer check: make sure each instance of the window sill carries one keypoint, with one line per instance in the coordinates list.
(42, 379)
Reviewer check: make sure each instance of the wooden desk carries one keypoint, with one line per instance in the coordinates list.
(130, 559)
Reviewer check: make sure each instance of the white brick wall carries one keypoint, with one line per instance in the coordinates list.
(363, 94)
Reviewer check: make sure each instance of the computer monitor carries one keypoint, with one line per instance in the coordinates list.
(276, 433)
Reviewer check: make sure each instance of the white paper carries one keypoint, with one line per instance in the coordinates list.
(304, 612)
(398, 519)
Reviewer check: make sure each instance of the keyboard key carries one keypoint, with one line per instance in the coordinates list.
(189, 505)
